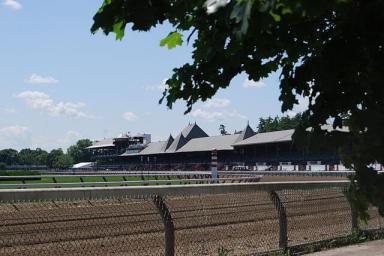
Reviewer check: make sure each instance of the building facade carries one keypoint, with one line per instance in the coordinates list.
(192, 149)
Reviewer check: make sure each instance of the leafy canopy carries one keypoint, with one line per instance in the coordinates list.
(330, 51)
(277, 123)
(79, 152)
(56, 158)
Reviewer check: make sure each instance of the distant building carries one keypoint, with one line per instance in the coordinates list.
(124, 143)
(192, 147)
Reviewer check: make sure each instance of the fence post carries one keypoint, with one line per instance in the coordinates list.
(354, 222)
(283, 238)
(169, 228)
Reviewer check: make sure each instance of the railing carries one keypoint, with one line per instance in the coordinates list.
(143, 182)
(290, 173)
(118, 172)
(242, 219)
(129, 178)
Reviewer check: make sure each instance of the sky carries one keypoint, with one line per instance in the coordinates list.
(60, 83)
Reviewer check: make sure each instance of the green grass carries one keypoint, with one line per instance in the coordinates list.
(70, 179)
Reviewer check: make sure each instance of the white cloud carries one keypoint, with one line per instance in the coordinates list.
(43, 102)
(216, 109)
(14, 136)
(217, 103)
(14, 130)
(70, 137)
(38, 79)
(300, 107)
(210, 116)
(252, 84)
(57, 141)
(216, 115)
(12, 4)
(157, 87)
(129, 116)
(19, 137)
(235, 113)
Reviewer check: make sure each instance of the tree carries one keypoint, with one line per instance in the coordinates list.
(41, 156)
(3, 166)
(57, 159)
(29, 156)
(330, 52)
(63, 161)
(79, 152)
(26, 157)
(270, 124)
(9, 156)
(222, 130)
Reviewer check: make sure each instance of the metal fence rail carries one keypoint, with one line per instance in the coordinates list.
(241, 219)
(128, 183)
(191, 172)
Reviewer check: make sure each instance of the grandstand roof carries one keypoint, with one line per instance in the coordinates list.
(193, 139)
(267, 137)
(192, 131)
(105, 143)
(246, 133)
(167, 143)
(153, 148)
(179, 141)
(221, 142)
(203, 143)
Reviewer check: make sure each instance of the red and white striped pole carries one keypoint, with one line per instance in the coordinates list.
(214, 166)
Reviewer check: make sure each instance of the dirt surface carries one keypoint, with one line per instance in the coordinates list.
(243, 223)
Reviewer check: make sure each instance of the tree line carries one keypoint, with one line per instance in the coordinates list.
(56, 158)
(271, 124)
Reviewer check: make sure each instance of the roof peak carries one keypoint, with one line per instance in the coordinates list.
(246, 133)
(193, 131)
(168, 143)
(176, 143)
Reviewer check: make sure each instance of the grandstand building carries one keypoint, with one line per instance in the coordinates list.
(192, 149)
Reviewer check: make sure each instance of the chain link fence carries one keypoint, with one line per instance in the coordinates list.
(97, 227)
(216, 219)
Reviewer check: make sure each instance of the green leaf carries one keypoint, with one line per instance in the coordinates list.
(172, 40)
(275, 16)
(286, 10)
(119, 28)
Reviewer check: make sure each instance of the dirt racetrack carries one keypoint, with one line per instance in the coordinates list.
(243, 223)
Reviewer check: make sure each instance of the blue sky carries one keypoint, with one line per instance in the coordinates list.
(60, 83)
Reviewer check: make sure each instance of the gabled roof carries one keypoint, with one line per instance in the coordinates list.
(105, 143)
(177, 143)
(246, 133)
(267, 137)
(193, 131)
(221, 142)
(153, 148)
(167, 143)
